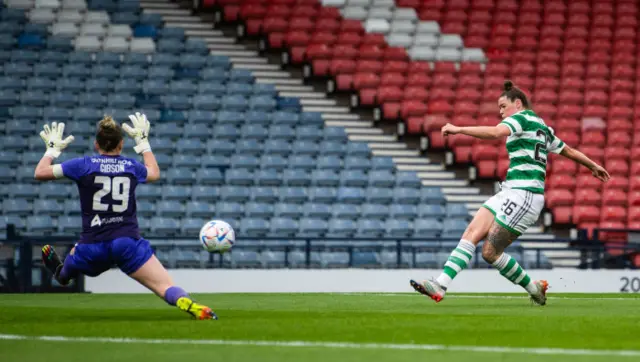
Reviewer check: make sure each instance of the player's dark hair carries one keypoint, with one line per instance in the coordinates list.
(109, 134)
(512, 93)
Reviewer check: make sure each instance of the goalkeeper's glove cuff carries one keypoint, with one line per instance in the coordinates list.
(143, 147)
(53, 153)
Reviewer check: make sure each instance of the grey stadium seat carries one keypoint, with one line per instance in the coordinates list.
(42, 16)
(448, 54)
(91, 29)
(400, 40)
(69, 16)
(115, 44)
(428, 27)
(355, 13)
(473, 55)
(64, 29)
(88, 43)
(403, 26)
(119, 30)
(377, 26)
(96, 17)
(405, 14)
(142, 45)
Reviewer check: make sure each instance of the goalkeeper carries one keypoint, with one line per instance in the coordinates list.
(110, 236)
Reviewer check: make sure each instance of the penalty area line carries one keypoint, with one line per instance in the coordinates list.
(345, 345)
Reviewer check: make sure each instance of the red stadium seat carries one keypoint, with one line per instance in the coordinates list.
(614, 197)
(559, 198)
(588, 196)
(562, 182)
(585, 214)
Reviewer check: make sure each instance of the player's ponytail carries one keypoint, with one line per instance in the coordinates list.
(109, 134)
(512, 93)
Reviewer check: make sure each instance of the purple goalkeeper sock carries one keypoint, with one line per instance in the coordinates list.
(172, 295)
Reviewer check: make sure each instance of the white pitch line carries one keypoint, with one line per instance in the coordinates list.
(480, 296)
(309, 344)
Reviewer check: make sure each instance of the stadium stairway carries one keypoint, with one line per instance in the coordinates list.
(358, 127)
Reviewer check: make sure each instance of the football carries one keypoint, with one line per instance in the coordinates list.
(217, 236)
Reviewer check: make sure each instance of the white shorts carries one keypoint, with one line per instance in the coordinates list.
(515, 210)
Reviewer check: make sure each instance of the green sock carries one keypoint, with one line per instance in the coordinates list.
(510, 269)
(458, 261)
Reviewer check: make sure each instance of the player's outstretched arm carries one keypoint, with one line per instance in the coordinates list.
(596, 170)
(482, 132)
(140, 133)
(52, 137)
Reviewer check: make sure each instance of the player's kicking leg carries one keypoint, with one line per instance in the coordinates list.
(460, 257)
(498, 240)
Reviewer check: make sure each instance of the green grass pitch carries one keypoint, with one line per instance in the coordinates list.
(366, 327)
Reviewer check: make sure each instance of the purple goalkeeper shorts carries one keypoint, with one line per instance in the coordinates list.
(126, 253)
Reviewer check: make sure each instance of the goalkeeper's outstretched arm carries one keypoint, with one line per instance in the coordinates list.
(52, 137)
(140, 133)
(598, 171)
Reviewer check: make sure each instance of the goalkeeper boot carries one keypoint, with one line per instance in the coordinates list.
(198, 311)
(51, 260)
(430, 288)
(540, 297)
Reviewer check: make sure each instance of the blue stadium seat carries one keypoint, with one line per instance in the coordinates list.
(268, 177)
(169, 129)
(165, 59)
(277, 147)
(172, 33)
(457, 210)
(308, 133)
(145, 31)
(145, 208)
(205, 193)
(211, 89)
(303, 162)
(8, 97)
(382, 163)
(379, 195)
(381, 178)
(281, 132)
(198, 130)
(171, 192)
(296, 177)
(25, 175)
(408, 180)
(56, 191)
(219, 161)
(165, 226)
(9, 158)
(324, 195)
(329, 163)
(351, 195)
(357, 163)
(341, 228)
(60, 43)
(294, 211)
(14, 83)
(402, 195)
(404, 212)
(190, 146)
(258, 209)
(160, 72)
(245, 161)
(31, 41)
(149, 193)
(431, 210)
(6, 174)
(426, 260)
(200, 209)
(107, 71)
(229, 210)
(305, 147)
(264, 103)
(196, 46)
(16, 207)
(191, 226)
(399, 227)
(310, 227)
(92, 100)
(234, 193)
(170, 208)
(47, 70)
(293, 194)
(168, 45)
(34, 98)
(273, 162)
(200, 116)
(375, 211)
(209, 176)
(311, 118)
(325, 178)
(370, 228)
(129, 86)
(427, 227)
(40, 224)
(108, 58)
(346, 211)
(254, 226)
(69, 224)
(353, 178)
(180, 175)
(314, 210)
(214, 75)
(453, 228)
(264, 194)
(283, 226)
(239, 177)
(249, 147)
(133, 71)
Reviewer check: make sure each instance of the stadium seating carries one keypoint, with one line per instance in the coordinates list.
(426, 63)
(231, 148)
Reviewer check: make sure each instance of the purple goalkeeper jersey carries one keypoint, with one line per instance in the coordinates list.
(107, 187)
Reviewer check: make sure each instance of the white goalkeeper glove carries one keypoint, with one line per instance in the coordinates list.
(52, 137)
(139, 132)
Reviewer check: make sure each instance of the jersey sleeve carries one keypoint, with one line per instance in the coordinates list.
(555, 144)
(513, 124)
(75, 168)
(140, 172)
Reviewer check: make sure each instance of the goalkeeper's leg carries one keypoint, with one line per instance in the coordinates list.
(148, 271)
(61, 273)
(493, 253)
(460, 257)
